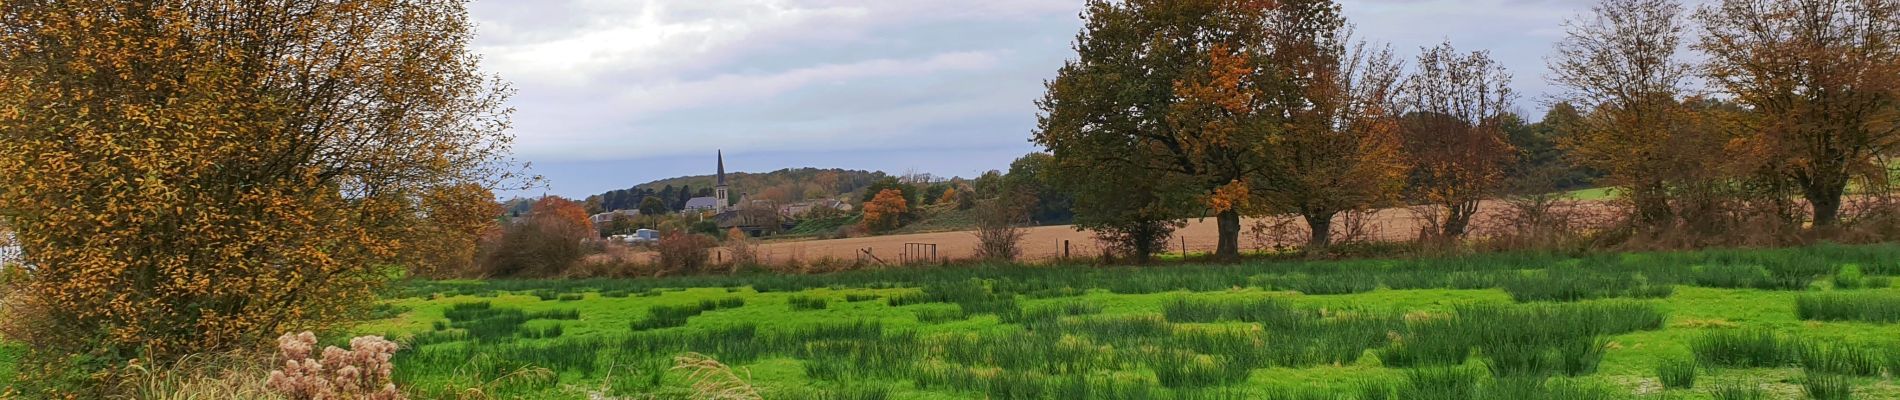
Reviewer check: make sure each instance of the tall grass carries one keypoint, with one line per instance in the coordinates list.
(1848, 306)
(1676, 374)
(1822, 386)
(1741, 349)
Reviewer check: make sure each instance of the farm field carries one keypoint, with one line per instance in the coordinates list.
(1044, 243)
(1716, 324)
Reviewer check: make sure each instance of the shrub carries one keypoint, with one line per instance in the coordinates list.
(545, 243)
(1836, 306)
(1676, 374)
(740, 250)
(362, 372)
(682, 252)
(1850, 277)
(999, 231)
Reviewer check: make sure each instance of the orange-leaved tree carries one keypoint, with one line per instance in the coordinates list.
(1454, 109)
(195, 176)
(1620, 64)
(568, 212)
(885, 211)
(455, 218)
(1822, 79)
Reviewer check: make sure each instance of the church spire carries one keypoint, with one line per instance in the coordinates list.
(722, 167)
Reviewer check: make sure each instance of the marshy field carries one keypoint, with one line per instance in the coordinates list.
(1813, 322)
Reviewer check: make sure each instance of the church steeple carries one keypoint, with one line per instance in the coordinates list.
(719, 191)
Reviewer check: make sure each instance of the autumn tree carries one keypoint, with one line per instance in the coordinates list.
(455, 218)
(1821, 78)
(1158, 90)
(1338, 149)
(200, 176)
(886, 211)
(1455, 108)
(1620, 63)
(547, 241)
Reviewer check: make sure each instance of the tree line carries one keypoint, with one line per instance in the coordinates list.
(1232, 108)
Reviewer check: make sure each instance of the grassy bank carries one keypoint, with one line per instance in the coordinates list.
(1489, 326)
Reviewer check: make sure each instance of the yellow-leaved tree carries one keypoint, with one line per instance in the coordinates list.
(190, 176)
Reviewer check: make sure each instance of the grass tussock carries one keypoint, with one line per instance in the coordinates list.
(1676, 374)
(1848, 306)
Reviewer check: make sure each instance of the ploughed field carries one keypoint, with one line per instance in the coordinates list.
(1718, 324)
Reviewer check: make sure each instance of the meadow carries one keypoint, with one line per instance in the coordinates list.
(1812, 322)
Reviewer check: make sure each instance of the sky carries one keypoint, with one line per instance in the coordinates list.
(614, 93)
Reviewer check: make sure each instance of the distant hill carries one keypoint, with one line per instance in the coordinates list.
(785, 185)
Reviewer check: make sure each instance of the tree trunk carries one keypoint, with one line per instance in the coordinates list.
(1322, 230)
(1458, 219)
(1825, 197)
(1229, 248)
(1652, 204)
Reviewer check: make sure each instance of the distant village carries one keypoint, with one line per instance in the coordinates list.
(755, 217)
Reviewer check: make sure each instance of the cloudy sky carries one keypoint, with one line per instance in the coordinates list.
(618, 92)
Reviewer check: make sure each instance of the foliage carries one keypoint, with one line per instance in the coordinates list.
(1031, 175)
(741, 250)
(1341, 149)
(1820, 79)
(1454, 110)
(186, 178)
(362, 372)
(1620, 64)
(906, 191)
(653, 206)
(798, 184)
(457, 218)
(684, 252)
(1171, 91)
(886, 211)
(548, 241)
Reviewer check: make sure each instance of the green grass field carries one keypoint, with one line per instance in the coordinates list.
(1723, 323)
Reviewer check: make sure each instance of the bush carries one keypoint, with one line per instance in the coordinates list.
(362, 372)
(1135, 241)
(741, 251)
(682, 252)
(1850, 277)
(1676, 374)
(999, 232)
(536, 247)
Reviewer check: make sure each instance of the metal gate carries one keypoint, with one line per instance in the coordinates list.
(917, 253)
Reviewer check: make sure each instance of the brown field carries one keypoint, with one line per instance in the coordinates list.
(1047, 242)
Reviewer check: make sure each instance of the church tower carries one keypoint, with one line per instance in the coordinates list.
(719, 189)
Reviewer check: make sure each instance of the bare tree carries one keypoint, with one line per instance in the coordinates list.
(1821, 77)
(1454, 107)
(999, 232)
